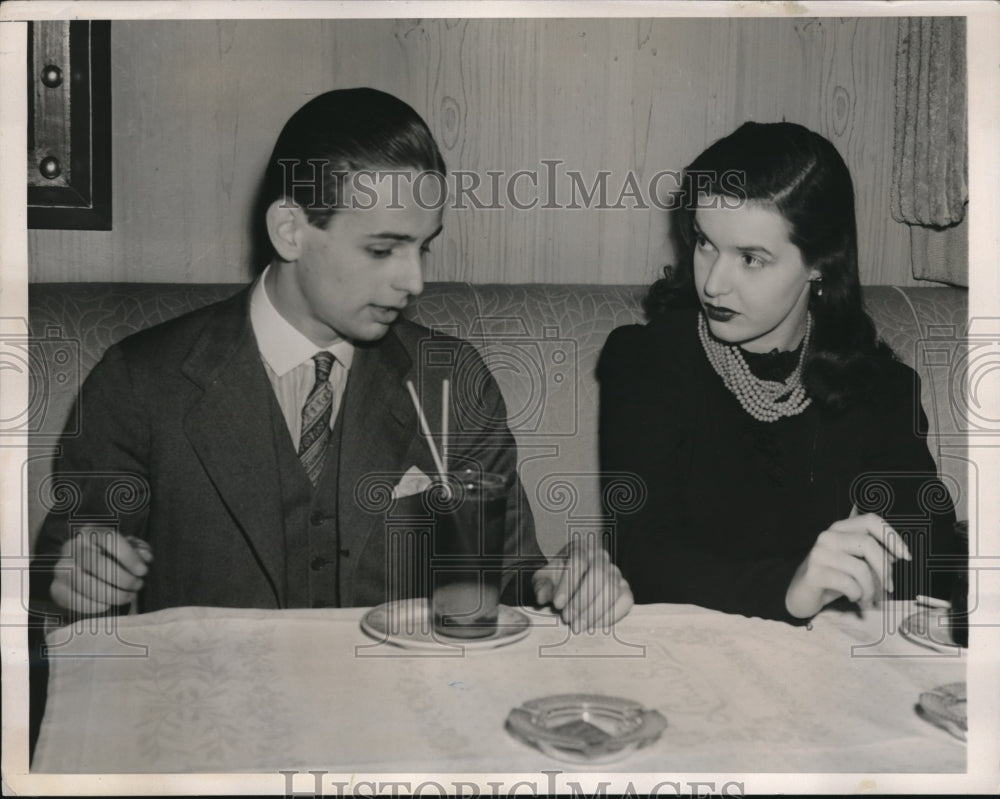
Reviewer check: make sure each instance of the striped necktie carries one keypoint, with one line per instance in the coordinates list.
(316, 418)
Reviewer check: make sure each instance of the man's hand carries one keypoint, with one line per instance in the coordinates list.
(99, 569)
(583, 586)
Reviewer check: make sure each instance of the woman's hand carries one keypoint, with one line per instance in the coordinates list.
(853, 558)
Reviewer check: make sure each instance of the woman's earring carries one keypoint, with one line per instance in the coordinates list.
(817, 286)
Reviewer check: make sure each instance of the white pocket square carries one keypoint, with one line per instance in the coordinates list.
(413, 482)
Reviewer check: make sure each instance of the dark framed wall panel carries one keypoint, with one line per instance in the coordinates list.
(69, 125)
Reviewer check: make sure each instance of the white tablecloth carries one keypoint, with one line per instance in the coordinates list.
(217, 690)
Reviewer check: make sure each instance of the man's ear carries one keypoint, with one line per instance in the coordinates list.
(284, 228)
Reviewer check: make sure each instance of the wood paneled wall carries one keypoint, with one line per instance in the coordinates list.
(197, 106)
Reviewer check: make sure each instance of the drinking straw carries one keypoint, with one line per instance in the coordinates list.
(444, 424)
(426, 429)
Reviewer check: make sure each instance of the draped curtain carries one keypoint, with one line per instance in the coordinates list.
(929, 189)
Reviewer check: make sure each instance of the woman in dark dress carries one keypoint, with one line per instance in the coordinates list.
(777, 441)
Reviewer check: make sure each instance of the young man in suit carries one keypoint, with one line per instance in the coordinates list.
(256, 422)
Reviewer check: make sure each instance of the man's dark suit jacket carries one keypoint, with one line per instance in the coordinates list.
(187, 408)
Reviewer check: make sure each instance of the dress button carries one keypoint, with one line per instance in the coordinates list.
(317, 563)
(317, 518)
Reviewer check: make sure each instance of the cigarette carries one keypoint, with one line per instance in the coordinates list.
(933, 602)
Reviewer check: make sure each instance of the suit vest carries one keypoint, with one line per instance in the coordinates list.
(311, 537)
(315, 561)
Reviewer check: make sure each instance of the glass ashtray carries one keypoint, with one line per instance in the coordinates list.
(585, 728)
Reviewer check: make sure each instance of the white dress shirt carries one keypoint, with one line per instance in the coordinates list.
(287, 355)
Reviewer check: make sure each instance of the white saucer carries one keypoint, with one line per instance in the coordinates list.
(929, 627)
(407, 624)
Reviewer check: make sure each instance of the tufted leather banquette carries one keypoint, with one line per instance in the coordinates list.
(541, 343)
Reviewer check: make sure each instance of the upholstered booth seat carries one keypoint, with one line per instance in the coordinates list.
(540, 341)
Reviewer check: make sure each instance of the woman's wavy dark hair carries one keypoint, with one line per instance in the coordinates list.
(801, 175)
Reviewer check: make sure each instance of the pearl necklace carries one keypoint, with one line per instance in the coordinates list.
(764, 400)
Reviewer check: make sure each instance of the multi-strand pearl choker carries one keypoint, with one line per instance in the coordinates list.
(765, 400)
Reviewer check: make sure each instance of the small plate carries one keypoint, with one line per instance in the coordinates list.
(585, 728)
(929, 627)
(946, 707)
(407, 624)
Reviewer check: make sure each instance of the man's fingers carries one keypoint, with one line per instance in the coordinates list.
(601, 595)
(96, 563)
(99, 569)
(624, 601)
(101, 591)
(112, 558)
(561, 588)
(577, 588)
(588, 590)
(67, 598)
(550, 585)
(602, 599)
(543, 584)
(558, 582)
(83, 594)
(142, 547)
(111, 574)
(585, 588)
(576, 563)
(120, 549)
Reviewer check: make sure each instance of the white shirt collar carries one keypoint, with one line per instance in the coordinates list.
(281, 345)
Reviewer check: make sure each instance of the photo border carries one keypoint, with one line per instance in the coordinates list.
(984, 302)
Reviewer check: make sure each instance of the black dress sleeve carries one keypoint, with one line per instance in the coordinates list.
(645, 402)
(903, 487)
